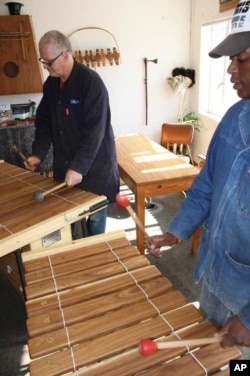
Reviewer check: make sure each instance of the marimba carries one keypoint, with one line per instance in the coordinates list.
(91, 302)
(25, 223)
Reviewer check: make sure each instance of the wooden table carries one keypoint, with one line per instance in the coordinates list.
(149, 169)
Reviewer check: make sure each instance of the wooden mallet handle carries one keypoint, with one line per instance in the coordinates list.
(39, 195)
(123, 201)
(148, 347)
(18, 152)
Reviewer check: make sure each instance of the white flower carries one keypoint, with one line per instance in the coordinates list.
(180, 84)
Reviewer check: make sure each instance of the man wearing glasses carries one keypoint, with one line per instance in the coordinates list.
(74, 116)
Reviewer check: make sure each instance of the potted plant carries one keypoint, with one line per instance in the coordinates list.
(193, 119)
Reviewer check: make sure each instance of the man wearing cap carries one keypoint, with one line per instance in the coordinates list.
(220, 198)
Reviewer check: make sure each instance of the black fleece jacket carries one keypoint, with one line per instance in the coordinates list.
(77, 121)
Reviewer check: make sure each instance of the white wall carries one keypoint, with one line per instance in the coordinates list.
(143, 28)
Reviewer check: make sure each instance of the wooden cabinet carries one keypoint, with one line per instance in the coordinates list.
(20, 70)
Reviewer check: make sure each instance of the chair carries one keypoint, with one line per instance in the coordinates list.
(178, 137)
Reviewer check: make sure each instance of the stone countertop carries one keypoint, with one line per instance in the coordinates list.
(21, 133)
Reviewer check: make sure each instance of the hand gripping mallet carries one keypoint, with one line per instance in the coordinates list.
(148, 347)
(123, 201)
(18, 152)
(39, 195)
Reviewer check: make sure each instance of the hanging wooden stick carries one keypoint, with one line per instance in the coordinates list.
(146, 83)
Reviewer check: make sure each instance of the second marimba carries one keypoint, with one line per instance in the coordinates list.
(90, 303)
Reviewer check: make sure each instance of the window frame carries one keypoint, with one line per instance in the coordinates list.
(215, 89)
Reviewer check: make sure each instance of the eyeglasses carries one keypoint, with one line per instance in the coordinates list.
(50, 62)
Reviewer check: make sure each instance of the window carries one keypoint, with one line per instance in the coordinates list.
(216, 94)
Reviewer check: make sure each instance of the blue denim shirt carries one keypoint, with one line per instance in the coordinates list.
(220, 198)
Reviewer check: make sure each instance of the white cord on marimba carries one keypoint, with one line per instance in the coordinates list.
(19, 179)
(197, 360)
(6, 229)
(143, 291)
(36, 186)
(155, 307)
(63, 317)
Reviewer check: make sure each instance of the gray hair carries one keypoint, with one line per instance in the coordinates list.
(57, 39)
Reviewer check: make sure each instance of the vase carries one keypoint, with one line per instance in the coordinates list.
(14, 8)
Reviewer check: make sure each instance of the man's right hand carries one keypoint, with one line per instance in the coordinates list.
(158, 241)
(32, 162)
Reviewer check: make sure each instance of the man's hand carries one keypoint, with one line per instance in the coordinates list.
(32, 162)
(158, 241)
(73, 178)
(235, 333)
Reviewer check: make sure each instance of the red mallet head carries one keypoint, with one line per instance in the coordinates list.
(147, 347)
(122, 200)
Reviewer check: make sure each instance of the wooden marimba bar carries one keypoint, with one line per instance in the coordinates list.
(27, 224)
(90, 303)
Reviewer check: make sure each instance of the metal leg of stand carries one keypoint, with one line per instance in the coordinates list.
(20, 269)
(84, 227)
(149, 203)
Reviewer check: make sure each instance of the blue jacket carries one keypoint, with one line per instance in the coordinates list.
(220, 198)
(77, 121)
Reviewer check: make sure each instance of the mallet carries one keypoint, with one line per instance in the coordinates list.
(148, 347)
(18, 152)
(123, 201)
(39, 195)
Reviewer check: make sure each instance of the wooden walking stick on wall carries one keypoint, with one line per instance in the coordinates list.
(146, 83)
